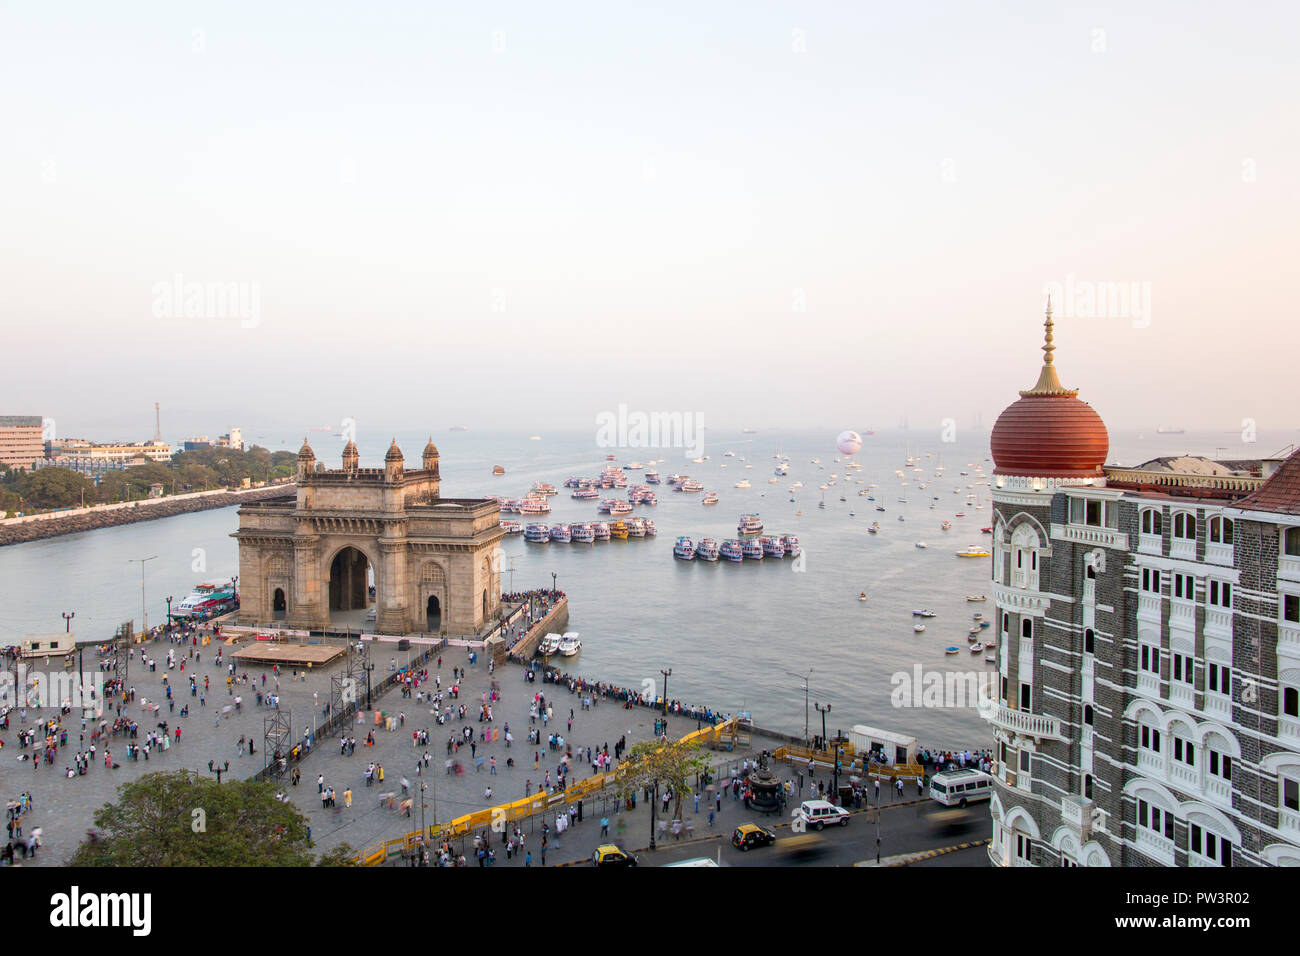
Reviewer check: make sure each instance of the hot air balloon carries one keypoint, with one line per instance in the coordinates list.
(849, 443)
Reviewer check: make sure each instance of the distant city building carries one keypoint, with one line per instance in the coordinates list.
(22, 440)
(233, 440)
(194, 444)
(1148, 648)
(88, 458)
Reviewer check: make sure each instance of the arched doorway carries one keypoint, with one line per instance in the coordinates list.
(433, 615)
(278, 604)
(349, 591)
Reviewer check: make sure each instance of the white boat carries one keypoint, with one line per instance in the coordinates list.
(921, 544)
(974, 599)
(549, 644)
(743, 483)
(569, 644)
(918, 628)
(924, 612)
(977, 648)
(862, 596)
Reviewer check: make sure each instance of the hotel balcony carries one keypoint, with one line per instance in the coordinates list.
(1182, 548)
(1218, 622)
(1026, 724)
(1288, 639)
(1150, 544)
(1090, 535)
(1219, 554)
(1182, 614)
(1149, 608)
(1288, 567)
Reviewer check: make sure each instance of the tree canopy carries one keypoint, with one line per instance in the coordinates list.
(183, 819)
(670, 764)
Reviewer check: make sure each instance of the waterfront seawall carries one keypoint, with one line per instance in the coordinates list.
(54, 524)
(556, 620)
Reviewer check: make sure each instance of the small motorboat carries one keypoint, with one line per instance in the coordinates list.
(975, 600)
(569, 644)
(974, 630)
(921, 544)
(977, 648)
(924, 612)
(985, 623)
(990, 659)
(977, 616)
(918, 628)
(549, 644)
(862, 596)
(951, 650)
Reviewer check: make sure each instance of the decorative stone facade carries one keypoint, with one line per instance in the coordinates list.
(434, 560)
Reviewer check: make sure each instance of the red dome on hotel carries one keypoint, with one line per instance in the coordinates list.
(1049, 433)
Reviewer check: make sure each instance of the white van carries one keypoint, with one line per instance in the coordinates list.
(956, 788)
(821, 813)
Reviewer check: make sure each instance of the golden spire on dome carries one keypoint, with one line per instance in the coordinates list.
(1048, 384)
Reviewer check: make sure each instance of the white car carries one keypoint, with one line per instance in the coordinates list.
(819, 813)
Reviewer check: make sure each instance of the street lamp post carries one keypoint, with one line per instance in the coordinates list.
(144, 612)
(805, 701)
(654, 800)
(667, 674)
(67, 620)
(169, 610)
(823, 711)
(554, 586)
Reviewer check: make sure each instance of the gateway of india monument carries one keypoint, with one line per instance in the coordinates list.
(310, 559)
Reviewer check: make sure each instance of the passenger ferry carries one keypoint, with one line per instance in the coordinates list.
(512, 527)
(677, 479)
(649, 498)
(496, 470)
(534, 506)
(582, 532)
(206, 598)
(652, 477)
(707, 550)
(575, 481)
(605, 505)
(690, 484)
(650, 528)
(560, 532)
(791, 545)
(617, 507)
(743, 483)
(731, 550)
(601, 530)
(773, 547)
(618, 530)
(542, 488)
(710, 498)
(684, 549)
(636, 527)
(750, 524)
(611, 457)
(753, 549)
(586, 493)
(536, 531)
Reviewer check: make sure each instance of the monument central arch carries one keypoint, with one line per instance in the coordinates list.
(318, 550)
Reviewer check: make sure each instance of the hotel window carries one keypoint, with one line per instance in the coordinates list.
(1219, 679)
(1184, 751)
(1023, 776)
(1006, 624)
(1152, 521)
(1209, 846)
(1185, 587)
(1089, 641)
(1153, 818)
(1004, 693)
(1151, 659)
(1290, 702)
(1220, 530)
(1184, 668)
(1026, 696)
(1024, 847)
(1220, 594)
(1290, 793)
(1220, 763)
(1088, 714)
(1087, 785)
(1291, 543)
(1185, 526)
(1027, 628)
(1151, 580)
(1291, 608)
(1150, 739)
(1087, 512)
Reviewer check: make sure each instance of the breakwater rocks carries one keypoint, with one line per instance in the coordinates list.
(36, 527)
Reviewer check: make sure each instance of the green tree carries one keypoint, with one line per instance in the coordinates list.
(54, 487)
(671, 766)
(183, 819)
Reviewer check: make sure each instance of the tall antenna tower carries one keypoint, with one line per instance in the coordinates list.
(157, 423)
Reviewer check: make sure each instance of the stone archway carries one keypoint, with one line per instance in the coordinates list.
(279, 605)
(433, 614)
(349, 581)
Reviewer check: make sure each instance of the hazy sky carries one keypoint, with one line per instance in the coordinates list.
(522, 213)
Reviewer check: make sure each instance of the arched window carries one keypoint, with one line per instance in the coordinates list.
(1185, 526)
(1089, 641)
(1087, 714)
(1220, 530)
(1152, 521)
(1090, 573)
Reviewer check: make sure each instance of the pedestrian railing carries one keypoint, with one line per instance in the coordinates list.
(523, 808)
